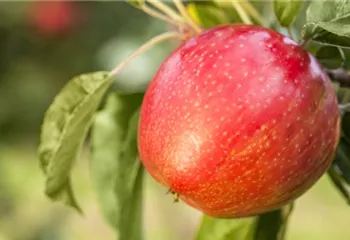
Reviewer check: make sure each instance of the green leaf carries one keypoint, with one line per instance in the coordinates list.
(342, 159)
(267, 226)
(224, 229)
(286, 11)
(64, 129)
(271, 225)
(345, 125)
(115, 168)
(212, 13)
(343, 94)
(136, 3)
(202, 2)
(328, 22)
(330, 57)
(339, 182)
(207, 15)
(347, 59)
(339, 172)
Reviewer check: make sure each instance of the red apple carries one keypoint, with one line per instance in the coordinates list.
(52, 17)
(238, 121)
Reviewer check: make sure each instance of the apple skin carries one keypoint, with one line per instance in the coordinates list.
(52, 18)
(238, 121)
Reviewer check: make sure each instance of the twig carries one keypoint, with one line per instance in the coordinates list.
(182, 9)
(242, 14)
(339, 75)
(157, 39)
(167, 10)
(159, 15)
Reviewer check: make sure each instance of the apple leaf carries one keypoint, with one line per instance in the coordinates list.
(286, 11)
(65, 126)
(342, 159)
(224, 229)
(346, 126)
(328, 22)
(267, 226)
(343, 92)
(136, 3)
(115, 168)
(339, 172)
(271, 225)
(202, 2)
(207, 15)
(339, 183)
(331, 57)
(347, 58)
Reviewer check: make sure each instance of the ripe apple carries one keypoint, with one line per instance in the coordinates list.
(238, 121)
(52, 18)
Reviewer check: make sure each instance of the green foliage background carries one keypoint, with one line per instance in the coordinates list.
(34, 68)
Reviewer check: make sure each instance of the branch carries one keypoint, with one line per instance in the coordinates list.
(160, 16)
(155, 40)
(182, 9)
(167, 10)
(339, 75)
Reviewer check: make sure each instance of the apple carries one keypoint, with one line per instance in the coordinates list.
(238, 121)
(52, 18)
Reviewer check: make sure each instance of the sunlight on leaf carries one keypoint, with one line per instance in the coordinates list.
(286, 11)
(330, 57)
(64, 129)
(271, 225)
(136, 3)
(267, 226)
(115, 168)
(328, 22)
(207, 15)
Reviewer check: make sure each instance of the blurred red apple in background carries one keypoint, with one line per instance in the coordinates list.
(238, 121)
(53, 17)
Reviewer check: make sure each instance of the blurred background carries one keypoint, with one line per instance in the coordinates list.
(43, 45)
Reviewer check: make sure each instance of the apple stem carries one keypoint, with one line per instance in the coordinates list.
(160, 16)
(155, 40)
(249, 7)
(182, 9)
(167, 10)
(242, 14)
